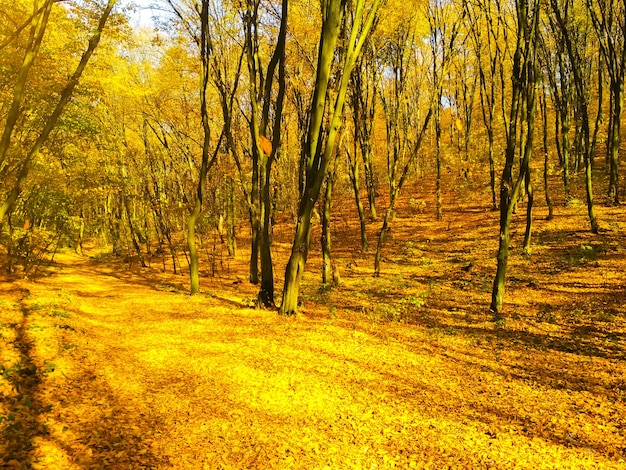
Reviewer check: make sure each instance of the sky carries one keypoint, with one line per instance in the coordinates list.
(142, 16)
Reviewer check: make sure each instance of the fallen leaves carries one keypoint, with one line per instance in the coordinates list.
(152, 379)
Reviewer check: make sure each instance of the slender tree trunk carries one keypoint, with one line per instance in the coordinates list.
(81, 232)
(565, 150)
(382, 235)
(492, 171)
(266, 292)
(529, 209)
(438, 156)
(615, 143)
(133, 234)
(114, 217)
(370, 183)
(193, 249)
(610, 129)
(589, 191)
(353, 166)
(327, 269)
(254, 226)
(546, 186)
(231, 221)
(598, 121)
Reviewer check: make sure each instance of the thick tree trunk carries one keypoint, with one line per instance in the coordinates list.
(297, 260)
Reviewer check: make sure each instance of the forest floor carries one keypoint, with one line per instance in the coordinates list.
(105, 365)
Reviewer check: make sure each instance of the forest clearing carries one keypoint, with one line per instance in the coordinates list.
(110, 365)
(286, 234)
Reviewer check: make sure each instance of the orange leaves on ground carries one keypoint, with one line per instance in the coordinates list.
(406, 372)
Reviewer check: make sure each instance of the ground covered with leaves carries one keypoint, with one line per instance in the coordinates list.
(105, 365)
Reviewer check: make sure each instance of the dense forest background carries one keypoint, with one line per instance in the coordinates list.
(164, 139)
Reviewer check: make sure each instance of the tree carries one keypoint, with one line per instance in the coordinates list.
(575, 43)
(38, 27)
(559, 77)
(264, 150)
(489, 56)
(322, 135)
(609, 21)
(363, 95)
(204, 44)
(520, 133)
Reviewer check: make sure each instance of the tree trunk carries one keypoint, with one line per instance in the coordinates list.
(81, 232)
(381, 237)
(353, 167)
(565, 152)
(205, 166)
(327, 269)
(231, 221)
(266, 292)
(438, 157)
(254, 226)
(193, 250)
(615, 143)
(546, 186)
(297, 260)
(370, 182)
(492, 172)
(133, 234)
(529, 210)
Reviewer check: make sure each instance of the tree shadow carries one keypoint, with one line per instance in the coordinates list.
(83, 420)
(22, 425)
